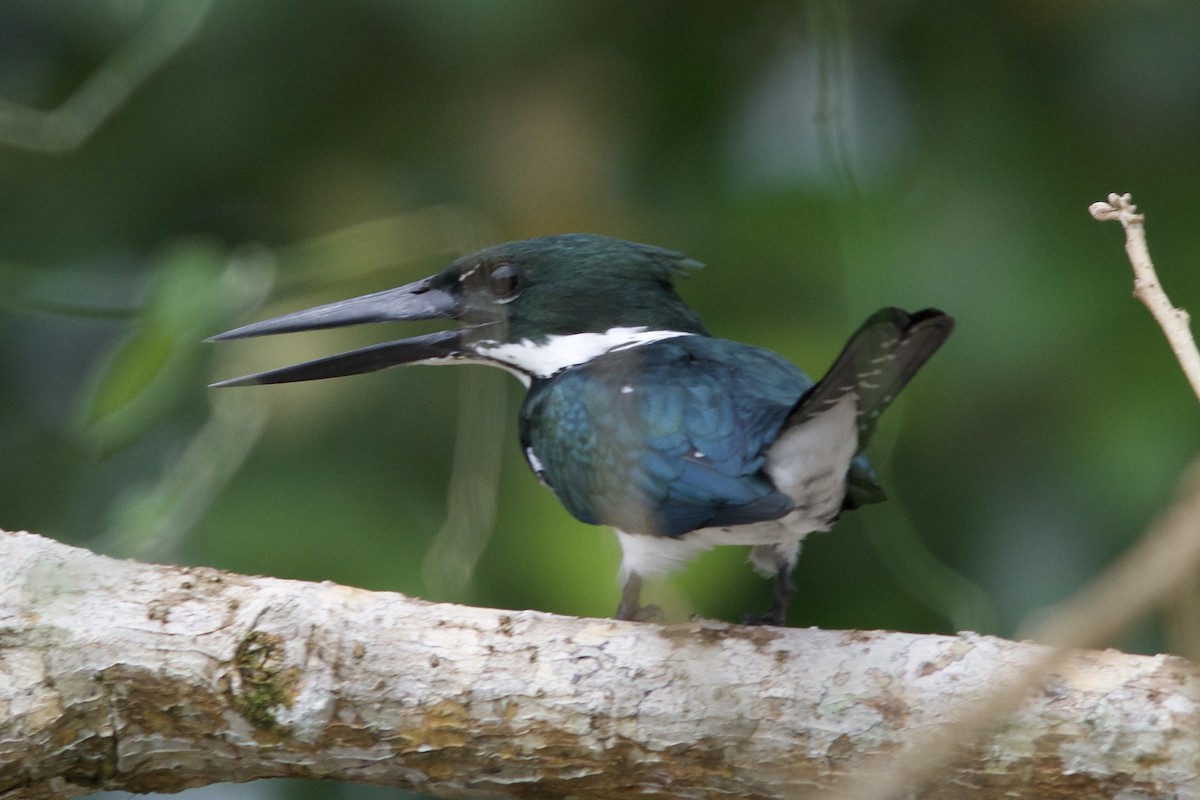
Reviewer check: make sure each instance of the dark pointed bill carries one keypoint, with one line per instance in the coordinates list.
(414, 301)
(438, 346)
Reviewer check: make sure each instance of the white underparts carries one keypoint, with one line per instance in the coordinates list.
(650, 556)
(529, 359)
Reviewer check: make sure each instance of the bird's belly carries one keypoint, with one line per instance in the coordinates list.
(652, 556)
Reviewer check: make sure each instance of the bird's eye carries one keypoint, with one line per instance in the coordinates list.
(503, 281)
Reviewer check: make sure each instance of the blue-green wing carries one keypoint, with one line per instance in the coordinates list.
(664, 438)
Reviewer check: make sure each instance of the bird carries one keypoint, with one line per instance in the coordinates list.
(635, 416)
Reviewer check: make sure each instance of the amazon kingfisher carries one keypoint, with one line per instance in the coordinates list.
(635, 416)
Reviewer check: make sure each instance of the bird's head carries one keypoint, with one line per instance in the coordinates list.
(533, 306)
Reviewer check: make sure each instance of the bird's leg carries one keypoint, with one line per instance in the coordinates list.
(630, 607)
(781, 596)
(781, 591)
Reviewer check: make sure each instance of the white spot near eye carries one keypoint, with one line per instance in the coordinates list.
(626, 390)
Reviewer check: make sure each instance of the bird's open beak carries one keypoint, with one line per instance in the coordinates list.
(414, 301)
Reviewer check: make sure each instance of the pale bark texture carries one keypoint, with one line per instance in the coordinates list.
(122, 675)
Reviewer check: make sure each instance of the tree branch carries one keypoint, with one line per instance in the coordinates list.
(1162, 559)
(122, 675)
(104, 91)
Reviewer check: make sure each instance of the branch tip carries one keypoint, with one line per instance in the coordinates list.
(1119, 207)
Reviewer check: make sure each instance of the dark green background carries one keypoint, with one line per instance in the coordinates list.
(823, 159)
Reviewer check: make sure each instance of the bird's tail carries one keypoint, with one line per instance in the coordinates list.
(880, 358)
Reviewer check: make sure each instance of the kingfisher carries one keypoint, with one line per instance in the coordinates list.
(635, 416)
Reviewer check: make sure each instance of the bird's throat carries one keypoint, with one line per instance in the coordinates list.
(528, 359)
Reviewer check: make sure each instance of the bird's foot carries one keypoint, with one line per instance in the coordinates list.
(775, 616)
(781, 598)
(648, 613)
(630, 607)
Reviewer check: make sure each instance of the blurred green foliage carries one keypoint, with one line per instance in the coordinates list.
(823, 158)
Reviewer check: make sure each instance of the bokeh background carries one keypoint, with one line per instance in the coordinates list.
(171, 169)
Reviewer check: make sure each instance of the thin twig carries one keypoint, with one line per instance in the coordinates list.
(1179, 611)
(1173, 321)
